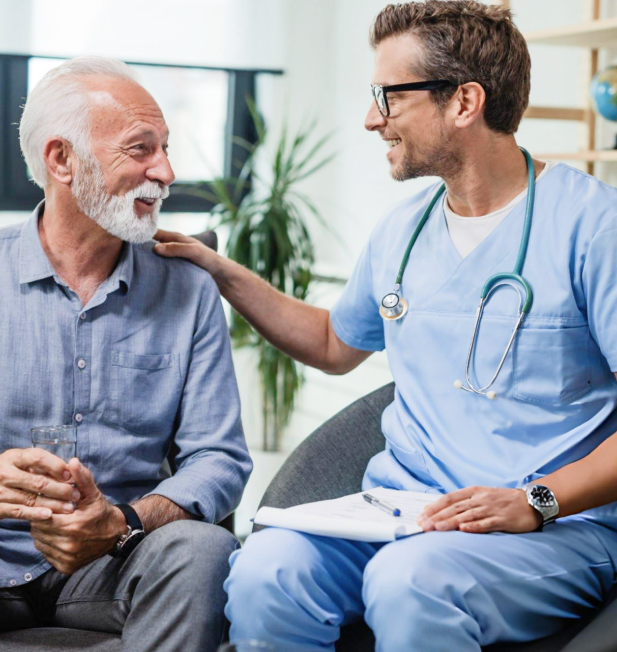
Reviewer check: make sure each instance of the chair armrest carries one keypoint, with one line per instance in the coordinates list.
(330, 463)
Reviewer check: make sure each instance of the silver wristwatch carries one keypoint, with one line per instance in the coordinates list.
(543, 500)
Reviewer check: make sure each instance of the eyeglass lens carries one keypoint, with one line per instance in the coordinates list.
(379, 96)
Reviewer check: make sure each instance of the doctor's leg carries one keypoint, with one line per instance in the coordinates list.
(295, 590)
(458, 591)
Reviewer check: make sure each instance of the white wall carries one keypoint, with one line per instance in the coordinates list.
(202, 32)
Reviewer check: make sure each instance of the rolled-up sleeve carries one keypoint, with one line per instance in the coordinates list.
(212, 460)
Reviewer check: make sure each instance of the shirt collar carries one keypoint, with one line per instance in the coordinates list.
(35, 266)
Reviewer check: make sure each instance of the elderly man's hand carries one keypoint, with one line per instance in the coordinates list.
(480, 510)
(70, 541)
(34, 484)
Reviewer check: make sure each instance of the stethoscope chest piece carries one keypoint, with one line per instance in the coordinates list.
(393, 307)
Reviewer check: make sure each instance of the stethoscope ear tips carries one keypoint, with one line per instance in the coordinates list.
(492, 395)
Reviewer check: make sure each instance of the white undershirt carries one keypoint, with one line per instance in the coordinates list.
(468, 232)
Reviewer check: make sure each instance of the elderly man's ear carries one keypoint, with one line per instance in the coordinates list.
(60, 160)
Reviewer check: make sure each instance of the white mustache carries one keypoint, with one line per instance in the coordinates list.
(148, 190)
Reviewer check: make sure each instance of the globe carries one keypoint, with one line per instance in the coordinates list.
(604, 92)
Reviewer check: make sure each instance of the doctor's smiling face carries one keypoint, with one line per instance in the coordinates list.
(419, 134)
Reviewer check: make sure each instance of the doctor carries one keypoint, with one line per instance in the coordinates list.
(530, 445)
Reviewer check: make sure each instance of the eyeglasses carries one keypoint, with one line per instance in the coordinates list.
(380, 93)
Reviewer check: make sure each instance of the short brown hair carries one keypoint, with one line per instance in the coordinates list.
(466, 41)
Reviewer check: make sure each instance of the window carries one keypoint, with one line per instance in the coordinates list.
(205, 108)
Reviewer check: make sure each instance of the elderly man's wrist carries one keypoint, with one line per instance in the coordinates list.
(118, 524)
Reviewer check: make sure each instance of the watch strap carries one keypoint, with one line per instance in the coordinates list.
(131, 516)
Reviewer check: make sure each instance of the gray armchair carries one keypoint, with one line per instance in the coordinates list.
(330, 464)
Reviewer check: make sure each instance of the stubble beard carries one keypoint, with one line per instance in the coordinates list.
(439, 160)
(116, 213)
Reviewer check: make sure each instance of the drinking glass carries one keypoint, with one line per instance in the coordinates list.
(247, 646)
(59, 440)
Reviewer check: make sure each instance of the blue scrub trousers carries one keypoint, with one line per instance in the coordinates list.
(432, 592)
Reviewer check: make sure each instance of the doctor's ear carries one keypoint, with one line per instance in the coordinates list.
(60, 160)
(467, 104)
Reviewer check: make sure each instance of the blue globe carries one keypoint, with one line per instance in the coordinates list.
(604, 92)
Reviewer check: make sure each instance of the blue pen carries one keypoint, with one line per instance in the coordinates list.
(380, 504)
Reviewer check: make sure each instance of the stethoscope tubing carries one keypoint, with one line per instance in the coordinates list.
(502, 278)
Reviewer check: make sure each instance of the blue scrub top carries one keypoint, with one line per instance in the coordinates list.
(556, 392)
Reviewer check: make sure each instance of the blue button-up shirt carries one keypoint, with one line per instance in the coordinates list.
(144, 370)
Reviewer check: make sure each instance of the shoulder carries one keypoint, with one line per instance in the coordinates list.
(173, 274)
(409, 210)
(401, 218)
(590, 202)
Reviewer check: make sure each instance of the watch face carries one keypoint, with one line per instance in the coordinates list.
(543, 496)
(131, 542)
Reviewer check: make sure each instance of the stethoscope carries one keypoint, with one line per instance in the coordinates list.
(394, 307)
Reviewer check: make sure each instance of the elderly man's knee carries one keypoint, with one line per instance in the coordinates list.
(195, 544)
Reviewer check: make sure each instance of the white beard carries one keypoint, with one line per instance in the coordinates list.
(116, 213)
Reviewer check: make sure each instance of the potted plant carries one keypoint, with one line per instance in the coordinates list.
(266, 215)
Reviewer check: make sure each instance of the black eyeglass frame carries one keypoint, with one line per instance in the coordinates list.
(431, 85)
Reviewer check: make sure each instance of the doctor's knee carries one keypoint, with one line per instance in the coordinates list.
(268, 559)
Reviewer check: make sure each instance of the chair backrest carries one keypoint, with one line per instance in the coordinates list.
(209, 238)
(330, 462)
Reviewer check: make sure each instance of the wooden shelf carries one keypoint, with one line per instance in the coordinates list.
(593, 34)
(556, 113)
(600, 156)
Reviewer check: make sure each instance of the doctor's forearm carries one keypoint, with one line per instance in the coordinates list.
(301, 331)
(588, 482)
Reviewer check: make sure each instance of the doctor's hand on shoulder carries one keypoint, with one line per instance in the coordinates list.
(177, 245)
(480, 510)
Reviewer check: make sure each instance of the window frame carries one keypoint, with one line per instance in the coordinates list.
(19, 193)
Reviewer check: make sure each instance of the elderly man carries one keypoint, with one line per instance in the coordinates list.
(532, 438)
(99, 332)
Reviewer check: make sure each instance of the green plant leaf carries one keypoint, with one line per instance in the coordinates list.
(268, 233)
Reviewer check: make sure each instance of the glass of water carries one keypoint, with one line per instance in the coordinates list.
(59, 440)
(247, 646)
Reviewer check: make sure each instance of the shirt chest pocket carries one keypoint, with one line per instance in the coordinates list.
(145, 391)
(551, 365)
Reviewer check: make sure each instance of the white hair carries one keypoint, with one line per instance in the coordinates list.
(59, 105)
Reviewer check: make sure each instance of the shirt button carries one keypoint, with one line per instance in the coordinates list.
(83, 315)
(12, 582)
(81, 364)
(79, 417)
(28, 577)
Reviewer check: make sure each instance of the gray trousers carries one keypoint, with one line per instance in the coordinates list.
(168, 595)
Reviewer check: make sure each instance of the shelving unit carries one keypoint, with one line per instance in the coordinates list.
(588, 156)
(592, 34)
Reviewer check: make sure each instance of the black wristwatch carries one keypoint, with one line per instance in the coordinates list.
(134, 533)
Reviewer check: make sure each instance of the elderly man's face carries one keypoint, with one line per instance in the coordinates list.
(121, 188)
(129, 138)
